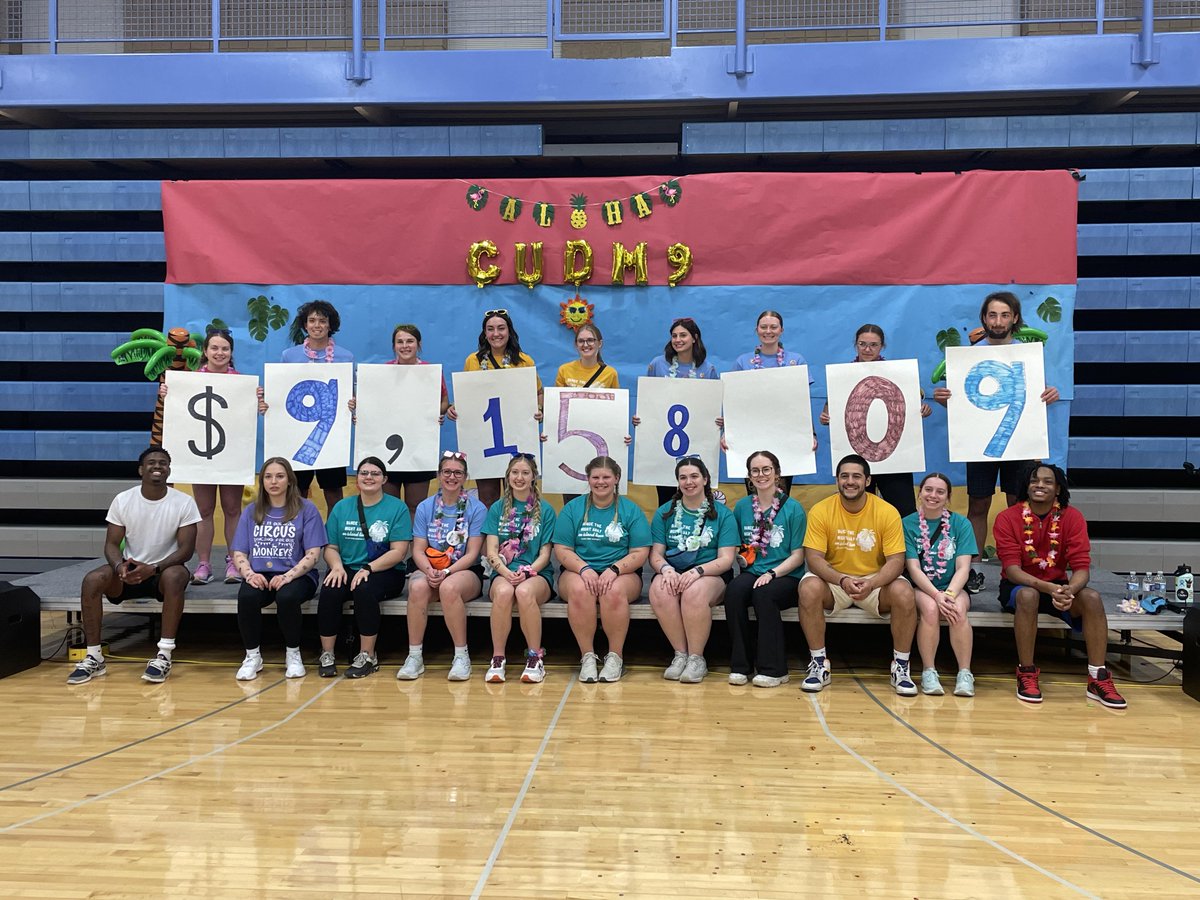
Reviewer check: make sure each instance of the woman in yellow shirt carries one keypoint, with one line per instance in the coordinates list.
(590, 370)
(499, 348)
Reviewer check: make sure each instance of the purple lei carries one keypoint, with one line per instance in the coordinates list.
(764, 525)
(934, 564)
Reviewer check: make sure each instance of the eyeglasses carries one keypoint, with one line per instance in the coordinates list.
(868, 345)
(585, 342)
(495, 312)
(454, 454)
(765, 470)
(369, 473)
(453, 473)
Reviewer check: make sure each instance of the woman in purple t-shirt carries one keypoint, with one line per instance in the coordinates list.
(278, 541)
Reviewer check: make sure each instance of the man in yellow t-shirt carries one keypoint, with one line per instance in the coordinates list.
(854, 552)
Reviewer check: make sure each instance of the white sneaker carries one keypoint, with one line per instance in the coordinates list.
(295, 665)
(413, 668)
(535, 669)
(964, 684)
(902, 681)
(495, 672)
(818, 676)
(250, 667)
(460, 669)
(769, 681)
(675, 669)
(587, 668)
(613, 668)
(695, 670)
(738, 678)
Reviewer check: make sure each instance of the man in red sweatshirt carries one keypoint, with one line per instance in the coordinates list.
(1040, 540)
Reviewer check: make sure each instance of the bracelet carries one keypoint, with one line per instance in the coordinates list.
(840, 580)
(951, 593)
(584, 568)
(665, 568)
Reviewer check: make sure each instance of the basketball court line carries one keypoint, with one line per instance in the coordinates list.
(516, 807)
(940, 812)
(1041, 806)
(175, 768)
(149, 737)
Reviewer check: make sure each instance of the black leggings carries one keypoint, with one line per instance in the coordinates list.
(378, 586)
(288, 599)
(781, 593)
(897, 489)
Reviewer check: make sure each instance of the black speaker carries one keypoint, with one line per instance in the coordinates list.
(20, 629)
(1191, 653)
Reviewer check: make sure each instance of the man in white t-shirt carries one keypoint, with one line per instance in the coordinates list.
(158, 525)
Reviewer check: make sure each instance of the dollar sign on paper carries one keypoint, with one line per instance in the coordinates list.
(210, 423)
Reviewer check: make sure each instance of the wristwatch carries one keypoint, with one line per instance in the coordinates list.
(771, 572)
(157, 569)
(700, 570)
(615, 568)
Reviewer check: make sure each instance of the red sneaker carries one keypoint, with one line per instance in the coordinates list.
(1101, 690)
(1027, 684)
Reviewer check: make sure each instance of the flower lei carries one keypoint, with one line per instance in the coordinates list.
(312, 354)
(518, 525)
(934, 564)
(693, 541)
(764, 525)
(756, 360)
(673, 370)
(1055, 531)
(505, 361)
(453, 548)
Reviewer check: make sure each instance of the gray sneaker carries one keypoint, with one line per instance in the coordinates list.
(675, 669)
(364, 664)
(695, 670)
(413, 668)
(327, 664)
(613, 668)
(587, 668)
(89, 667)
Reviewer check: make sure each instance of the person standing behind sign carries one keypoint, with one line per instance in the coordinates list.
(217, 358)
(499, 348)
(406, 344)
(894, 487)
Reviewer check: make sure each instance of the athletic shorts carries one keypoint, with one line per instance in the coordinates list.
(328, 479)
(1008, 603)
(981, 477)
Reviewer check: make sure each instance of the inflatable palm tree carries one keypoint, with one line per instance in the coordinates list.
(177, 350)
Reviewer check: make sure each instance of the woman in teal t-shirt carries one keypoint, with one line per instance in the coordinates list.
(601, 541)
(939, 545)
(695, 541)
(772, 527)
(518, 537)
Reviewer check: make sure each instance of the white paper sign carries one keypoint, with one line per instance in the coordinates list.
(210, 427)
(581, 424)
(769, 409)
(995, 411)
(678, 418)
(875, 411)
(496, 411)
(307, 420)
(397, 410)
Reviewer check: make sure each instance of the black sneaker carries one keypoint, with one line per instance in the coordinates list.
(975, 582)
(363, 666)
(327, 664)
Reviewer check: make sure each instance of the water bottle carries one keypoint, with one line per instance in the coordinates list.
(1131, 587)
(1146, 584)
(1158, 587)
(1183, 585)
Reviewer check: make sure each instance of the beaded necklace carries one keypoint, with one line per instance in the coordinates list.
(312, 354)
(518, 525)
(764, 524)
(934, 564)
(455, 539)
(1055, 517)
(756, 360)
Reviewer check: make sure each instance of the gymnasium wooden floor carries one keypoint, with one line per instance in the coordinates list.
(205, 787)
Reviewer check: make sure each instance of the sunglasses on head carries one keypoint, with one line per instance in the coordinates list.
(690, 458)
(528, 456)
(210, 331)
(495, 312)
(454, 454)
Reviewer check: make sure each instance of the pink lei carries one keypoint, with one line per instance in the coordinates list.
(764, 525)
(756, 359)
(518, 526)
(934, 564)
(312, 354)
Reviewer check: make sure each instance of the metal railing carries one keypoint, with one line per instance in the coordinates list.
(130, 26)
